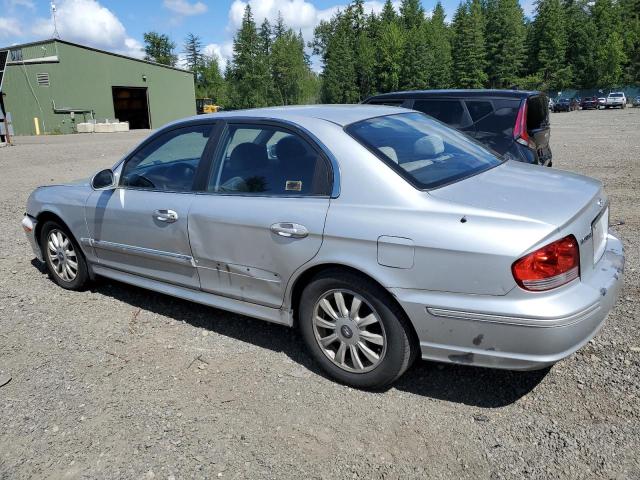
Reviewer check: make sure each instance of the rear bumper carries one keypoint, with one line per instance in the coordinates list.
(520, 330)
(29, 226)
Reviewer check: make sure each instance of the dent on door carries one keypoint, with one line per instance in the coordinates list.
(240, 254)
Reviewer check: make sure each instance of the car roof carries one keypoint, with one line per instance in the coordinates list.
(457, 93)
(339, 114)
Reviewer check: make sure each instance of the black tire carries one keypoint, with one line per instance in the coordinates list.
(401, 344)
(81, 279)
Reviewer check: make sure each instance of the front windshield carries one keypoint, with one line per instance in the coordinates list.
(424, 151)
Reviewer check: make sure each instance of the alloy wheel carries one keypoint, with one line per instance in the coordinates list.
(349, 331)
(62, 255)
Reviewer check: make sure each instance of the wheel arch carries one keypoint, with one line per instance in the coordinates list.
(305, 277)
(46, 216)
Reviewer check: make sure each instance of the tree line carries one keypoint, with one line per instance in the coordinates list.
(269, 66)
(581, 44)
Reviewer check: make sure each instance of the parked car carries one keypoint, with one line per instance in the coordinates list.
(566, 105)
(589, 103)
(601, 102)
(380, 232)
(616, 99)
(636, 101)
(511, 122)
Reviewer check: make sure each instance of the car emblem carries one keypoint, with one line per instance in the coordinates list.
(346, 332)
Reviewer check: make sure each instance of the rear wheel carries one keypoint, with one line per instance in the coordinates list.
(357, 334)
(65, 261)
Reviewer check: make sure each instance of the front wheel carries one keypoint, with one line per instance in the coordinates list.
(353, 329)
(65, 261)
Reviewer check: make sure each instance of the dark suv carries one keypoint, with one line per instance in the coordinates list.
(513, 123)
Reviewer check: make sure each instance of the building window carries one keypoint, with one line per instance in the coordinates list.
(16, 55)
(43, 79)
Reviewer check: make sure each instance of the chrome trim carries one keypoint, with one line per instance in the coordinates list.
(552, 282)
(171, 257)
(512, 320)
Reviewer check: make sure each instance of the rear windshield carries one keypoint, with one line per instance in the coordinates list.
(425, 152)
(615, 94)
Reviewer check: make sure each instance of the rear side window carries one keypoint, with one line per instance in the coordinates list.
(448, 111)
(498, 121)
(537, 112)
(479, 109)
(425, 152)
(267, 160)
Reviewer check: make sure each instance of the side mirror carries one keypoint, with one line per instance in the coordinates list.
(103, 180)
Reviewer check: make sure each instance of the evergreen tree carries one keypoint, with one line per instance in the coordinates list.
(211, 83)
(415, 61)
(581, 43)
(388, 14)
(549, 41)
(193, 51)
(439, 48)
(631, 34)
(505, 36)
(469, 57)
(609, 57)
(289, 68)
(159, 48)
(339, 79)
(390, 48)
(248, 73)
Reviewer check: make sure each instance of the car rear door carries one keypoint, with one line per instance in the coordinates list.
(140, 227)
(263, 213)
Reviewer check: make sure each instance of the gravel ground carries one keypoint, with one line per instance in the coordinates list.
(119, 382)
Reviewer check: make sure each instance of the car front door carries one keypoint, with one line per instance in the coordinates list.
(140, 227)
(263, 213)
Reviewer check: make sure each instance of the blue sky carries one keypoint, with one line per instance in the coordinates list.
(118, 25)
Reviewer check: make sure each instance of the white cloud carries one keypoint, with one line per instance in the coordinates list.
(10, 27)
(297, 14)
(224, 52)
(19, 4)
(88, 22)
(184, 7)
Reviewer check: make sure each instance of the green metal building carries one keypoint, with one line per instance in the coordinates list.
(52, 85)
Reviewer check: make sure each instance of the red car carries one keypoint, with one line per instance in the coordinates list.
(589, 103)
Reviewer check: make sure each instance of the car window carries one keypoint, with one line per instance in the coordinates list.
(425, 152)
(169, 162)
(448, 111)
(283, 165)
(478, 109)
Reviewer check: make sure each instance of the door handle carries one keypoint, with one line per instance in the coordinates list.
(289, 230)
(167, 216)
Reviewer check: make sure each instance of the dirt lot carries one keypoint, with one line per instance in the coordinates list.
(119, 382)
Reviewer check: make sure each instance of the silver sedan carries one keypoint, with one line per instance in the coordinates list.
(380, 233)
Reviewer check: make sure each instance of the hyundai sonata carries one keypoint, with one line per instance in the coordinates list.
(382, 234)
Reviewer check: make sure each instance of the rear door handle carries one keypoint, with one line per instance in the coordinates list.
(167, 216)
(289, 230)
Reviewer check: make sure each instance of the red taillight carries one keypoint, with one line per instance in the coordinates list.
(520, 133)
(550, 266)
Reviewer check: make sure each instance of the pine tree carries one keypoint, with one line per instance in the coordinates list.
(339, 79)
(549, 40)
(193, 51)
(289, 68)
(439, 48)
(469, 56)
(388, 13)
(505, 38)
(159, 48)
(414, 65)
(581, 43)
(211, 83)
(610, 56)
(248, 73)
(631, 34)
(390, 48)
